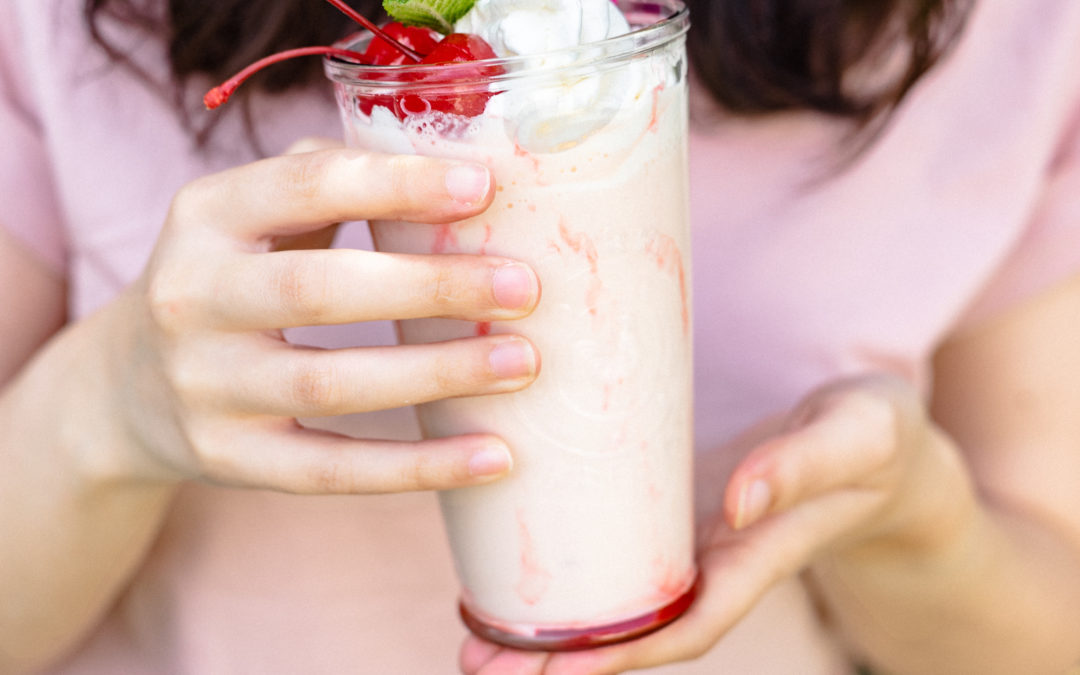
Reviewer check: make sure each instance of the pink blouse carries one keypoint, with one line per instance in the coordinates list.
(969, 202)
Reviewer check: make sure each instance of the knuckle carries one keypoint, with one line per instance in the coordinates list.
(445, 288)
(303, 290)
(330, 477)
(304, 175)
(450, 376)
(420, 473)
(210, 453)
(188, 379)
(170, 302)
(400, 173)
(314, 387)
(879, 421)
(404, 177)
(788, 477)
(191, 201)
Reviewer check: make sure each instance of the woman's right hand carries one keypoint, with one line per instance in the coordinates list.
(208, 387)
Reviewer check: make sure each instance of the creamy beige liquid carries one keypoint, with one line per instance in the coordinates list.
(594, 526)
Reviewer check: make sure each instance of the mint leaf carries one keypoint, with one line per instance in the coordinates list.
(438, 15)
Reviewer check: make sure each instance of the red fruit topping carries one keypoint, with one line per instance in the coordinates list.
(220, 94)
(460, 48)
(381, 53)
(459, 90)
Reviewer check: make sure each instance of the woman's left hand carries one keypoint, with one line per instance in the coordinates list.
(858, 466)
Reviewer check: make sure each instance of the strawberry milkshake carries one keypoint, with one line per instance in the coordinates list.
(579, 109)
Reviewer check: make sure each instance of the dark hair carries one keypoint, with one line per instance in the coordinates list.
(848, 58)
(219, 37)
(216, 38)
(754, 56)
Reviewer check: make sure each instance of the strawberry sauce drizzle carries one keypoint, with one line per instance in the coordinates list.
(581, 244)
(534, 580)
(654, 116)
(487, 239)
(445, 239)
(668, 258)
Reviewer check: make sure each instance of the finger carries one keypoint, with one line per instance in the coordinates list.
(514, 662)
(324, 237)
(844, 437)
(286, 289)
(475, 654)
(307, 382)
(306, 461)
(479, 657)
(686, 638)
(292, 194)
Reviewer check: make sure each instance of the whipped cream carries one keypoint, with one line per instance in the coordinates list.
(576, 103)
(525, 27)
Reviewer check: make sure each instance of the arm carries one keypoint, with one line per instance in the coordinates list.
(34, 299)
(186, 376)
(1000, 595)
(47, 514)
(67, 542)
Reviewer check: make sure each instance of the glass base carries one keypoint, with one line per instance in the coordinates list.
(570, 639)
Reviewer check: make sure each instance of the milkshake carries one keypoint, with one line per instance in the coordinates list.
(589, 540)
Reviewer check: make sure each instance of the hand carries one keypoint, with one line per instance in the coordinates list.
(208, 388)
(854, 468)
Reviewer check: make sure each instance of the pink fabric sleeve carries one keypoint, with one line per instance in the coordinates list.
(1048, 251)
(29, 209)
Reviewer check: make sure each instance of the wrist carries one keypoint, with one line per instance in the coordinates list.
(72, 401)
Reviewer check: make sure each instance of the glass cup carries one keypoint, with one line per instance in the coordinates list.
(590, 539)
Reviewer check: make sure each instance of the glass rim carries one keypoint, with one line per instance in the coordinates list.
(673, 25)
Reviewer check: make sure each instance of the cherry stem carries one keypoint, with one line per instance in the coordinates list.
(221, 93)
(363, 21)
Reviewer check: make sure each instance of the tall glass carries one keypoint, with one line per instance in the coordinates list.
(589, 541)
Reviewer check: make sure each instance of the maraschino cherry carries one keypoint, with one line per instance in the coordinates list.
(460, 99)
(382, 53)
(398, 44)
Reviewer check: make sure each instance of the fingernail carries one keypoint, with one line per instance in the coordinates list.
(753, 503)
(513, 286)
(512, 359)
(468, 183)
(492, 461)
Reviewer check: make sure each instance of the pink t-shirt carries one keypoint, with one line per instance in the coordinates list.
(968, 203)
